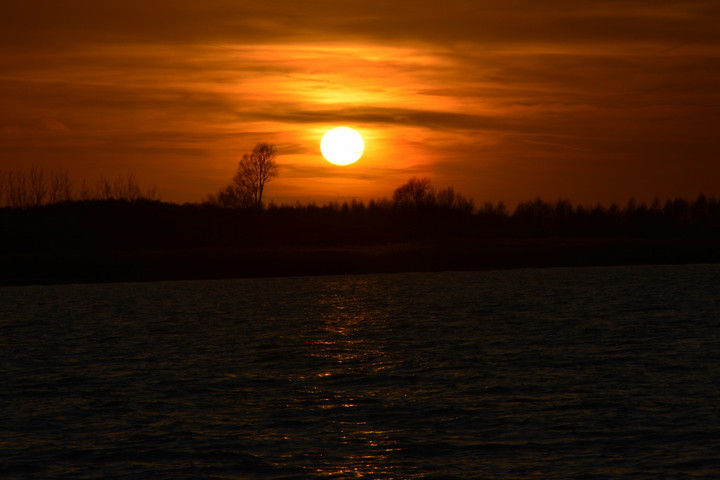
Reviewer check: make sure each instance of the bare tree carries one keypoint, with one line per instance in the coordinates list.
(21, 189)
(254, 171)
(151, 193)
(60, 187)
(127, 188)
(452, 200)
(104, 189)
(122, 187)
(18, 193)
(38, 186)
(417, 192)
(3, 187)
(85, 194)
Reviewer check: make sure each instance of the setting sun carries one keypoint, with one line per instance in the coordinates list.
(342, 146)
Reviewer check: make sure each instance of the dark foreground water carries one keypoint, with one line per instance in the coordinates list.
(553, 374)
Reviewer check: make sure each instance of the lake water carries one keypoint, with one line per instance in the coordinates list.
(554, 373)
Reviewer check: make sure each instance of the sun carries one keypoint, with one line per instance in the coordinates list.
(342, 146)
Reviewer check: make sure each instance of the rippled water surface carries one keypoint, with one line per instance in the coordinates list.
(554, 374)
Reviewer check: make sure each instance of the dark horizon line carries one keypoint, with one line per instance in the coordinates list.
(631, 204)
(34, 188)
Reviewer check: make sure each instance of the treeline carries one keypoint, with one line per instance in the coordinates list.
(678, 216)
(419, 204)
(672, 217)
(111, 218)
(37, 187)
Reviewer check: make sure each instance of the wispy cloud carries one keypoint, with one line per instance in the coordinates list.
(504, 99)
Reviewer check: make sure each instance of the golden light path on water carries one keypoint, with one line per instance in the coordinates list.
(344, 341)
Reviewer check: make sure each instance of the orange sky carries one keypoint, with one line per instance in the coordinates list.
(504, 100)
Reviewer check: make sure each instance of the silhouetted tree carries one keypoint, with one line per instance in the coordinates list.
(60, 187)
(18, 193)
(232, 196)
(452, 200)
(104, 188)
(3, 187)
(38, 186)
(127, 188)
(416, 192)
(489, 209)
(255, 169)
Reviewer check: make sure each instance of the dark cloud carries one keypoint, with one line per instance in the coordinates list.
(47, 22)
(382, 116)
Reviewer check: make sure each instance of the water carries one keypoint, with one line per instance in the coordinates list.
(558, 373)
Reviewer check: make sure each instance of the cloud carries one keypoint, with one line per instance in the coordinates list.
(44, 22)
(458, 87)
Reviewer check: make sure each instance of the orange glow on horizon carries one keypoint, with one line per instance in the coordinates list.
(479, 97)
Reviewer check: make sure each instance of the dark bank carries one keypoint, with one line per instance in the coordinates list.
(144, 240)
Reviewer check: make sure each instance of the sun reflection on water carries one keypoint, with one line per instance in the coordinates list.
(349, 345)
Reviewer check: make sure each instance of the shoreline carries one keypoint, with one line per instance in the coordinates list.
(66, 267)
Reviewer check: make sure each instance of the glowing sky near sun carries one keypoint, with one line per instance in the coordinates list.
(502, 100)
